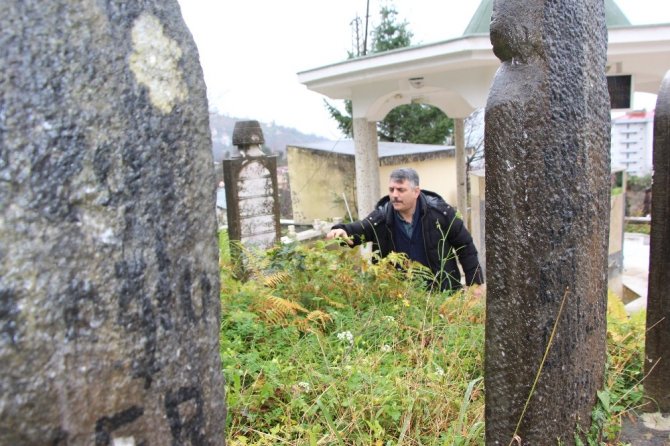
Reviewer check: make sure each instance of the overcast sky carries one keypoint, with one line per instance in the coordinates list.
(252, 50)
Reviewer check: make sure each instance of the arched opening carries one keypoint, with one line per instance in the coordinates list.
(416, 123)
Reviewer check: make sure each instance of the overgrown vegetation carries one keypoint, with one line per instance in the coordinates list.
(636, 183)
(321, 347)
(639, 228)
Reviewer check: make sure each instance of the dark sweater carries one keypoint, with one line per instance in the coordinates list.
(412, 246)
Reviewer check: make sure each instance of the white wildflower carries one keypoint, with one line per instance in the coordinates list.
(389, 318)
(346, 336)
(304, 386)
(439, 370)
(386, 348)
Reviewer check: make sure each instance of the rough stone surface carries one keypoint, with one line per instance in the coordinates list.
(109, 310)
(248, 133)
(651, 429)
(657, 344)
(547, 210)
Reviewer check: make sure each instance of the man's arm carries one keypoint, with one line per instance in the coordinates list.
(461, 240)
(355, 233)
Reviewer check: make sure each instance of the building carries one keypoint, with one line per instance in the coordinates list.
(455, 75)
(633, 142)
(322, 175)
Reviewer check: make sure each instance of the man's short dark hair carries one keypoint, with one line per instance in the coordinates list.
(405, 173)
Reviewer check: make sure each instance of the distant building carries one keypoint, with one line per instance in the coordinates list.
(322, 175)
(632, 142)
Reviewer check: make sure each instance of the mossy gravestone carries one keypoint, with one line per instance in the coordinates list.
(657, 345)
(547, 216)
(109, 310)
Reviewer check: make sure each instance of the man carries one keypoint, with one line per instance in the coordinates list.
(420, 224)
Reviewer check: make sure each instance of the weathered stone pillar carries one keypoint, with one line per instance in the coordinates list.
(367, 165)
(461, 174)
(547, 216)
(109, 289)
(657, 345)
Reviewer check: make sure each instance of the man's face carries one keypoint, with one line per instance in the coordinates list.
(403, 196)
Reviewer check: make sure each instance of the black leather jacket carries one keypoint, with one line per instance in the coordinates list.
(445, 238)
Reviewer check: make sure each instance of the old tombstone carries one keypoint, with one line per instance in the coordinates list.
(251, 191)
(109, 289)
(547, 210)
(657, 343)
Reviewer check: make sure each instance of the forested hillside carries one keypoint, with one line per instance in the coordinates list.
(276, 136)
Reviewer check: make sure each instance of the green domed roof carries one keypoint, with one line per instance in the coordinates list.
(479, 24)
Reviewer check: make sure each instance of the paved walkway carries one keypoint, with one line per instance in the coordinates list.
(636, 268)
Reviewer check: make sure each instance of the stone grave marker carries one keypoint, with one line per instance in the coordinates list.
(109, 284)
(657, 341)
(251, 192)
(547, 211)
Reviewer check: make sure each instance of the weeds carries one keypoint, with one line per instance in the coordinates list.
(320, 347)
(623, 392)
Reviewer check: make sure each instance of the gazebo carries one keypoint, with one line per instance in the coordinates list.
(455, 76)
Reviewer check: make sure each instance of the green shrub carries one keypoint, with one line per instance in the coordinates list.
(321, 347)
(640, 228)
(636, 183)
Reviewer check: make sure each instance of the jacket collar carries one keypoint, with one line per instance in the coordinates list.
(385, 205)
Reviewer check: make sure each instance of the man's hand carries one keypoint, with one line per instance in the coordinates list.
(339, 233)
(477, 291)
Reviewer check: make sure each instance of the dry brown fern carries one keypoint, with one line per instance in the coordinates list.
(320, 317)
(277, 310)
(274, 279)
(303, 325)
(332, 303)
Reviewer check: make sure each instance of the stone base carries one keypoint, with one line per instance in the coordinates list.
(649, 429)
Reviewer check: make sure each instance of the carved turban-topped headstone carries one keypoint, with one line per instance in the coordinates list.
(547, 212)
(109, 289)
(251, 191)
(657, 345)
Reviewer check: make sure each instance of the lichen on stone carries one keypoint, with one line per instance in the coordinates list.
(155, 63)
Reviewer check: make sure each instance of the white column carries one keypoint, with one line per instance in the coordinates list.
(461, 174)
(367, 165)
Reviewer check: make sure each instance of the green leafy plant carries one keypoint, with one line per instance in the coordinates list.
(622, 393)
(639, 228)
(387, 363)
(391, 363)
(639, 183)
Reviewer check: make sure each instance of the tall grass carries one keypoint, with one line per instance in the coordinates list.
(320, 347)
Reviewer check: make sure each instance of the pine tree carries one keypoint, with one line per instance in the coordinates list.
(412, 123)
(390, 34)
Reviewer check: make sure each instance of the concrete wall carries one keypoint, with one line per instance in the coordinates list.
(437, 175)
(318, 179)
(478, 214)
(615, 251)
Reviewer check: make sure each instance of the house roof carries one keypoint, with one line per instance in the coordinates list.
(481, 19)
(386, 149)
(635, 116)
